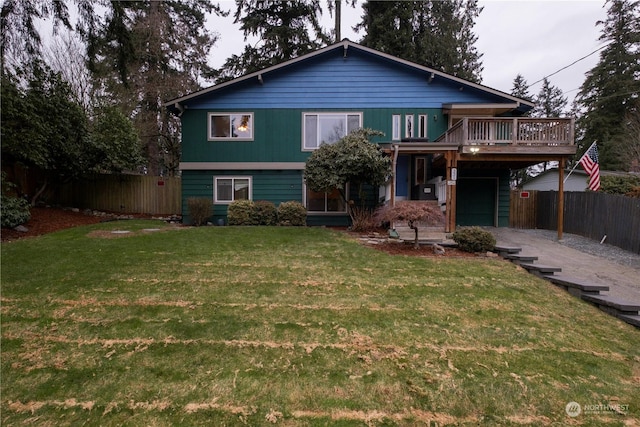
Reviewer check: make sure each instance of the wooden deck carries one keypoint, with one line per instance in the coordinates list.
(512, 135)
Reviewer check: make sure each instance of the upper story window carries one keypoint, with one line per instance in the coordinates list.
(395, 133)
(230, 126)
(328, 128)
(422, 126)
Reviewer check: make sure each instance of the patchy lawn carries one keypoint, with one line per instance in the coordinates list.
(295, 326)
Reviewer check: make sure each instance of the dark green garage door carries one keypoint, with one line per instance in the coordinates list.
(476, 201)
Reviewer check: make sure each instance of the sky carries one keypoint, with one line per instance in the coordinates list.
(533, 38)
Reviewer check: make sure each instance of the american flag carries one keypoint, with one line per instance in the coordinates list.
(589, 162)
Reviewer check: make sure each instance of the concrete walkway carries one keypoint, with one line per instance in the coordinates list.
(623, 280)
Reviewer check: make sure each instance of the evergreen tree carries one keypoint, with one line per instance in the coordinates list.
(45, 129)
(160, 50)
(550, 101)
(282, 28)
(434, 33)
(610, 90)
(520, 88)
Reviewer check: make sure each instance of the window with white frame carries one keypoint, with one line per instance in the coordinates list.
(395, 124)
(230, 188)
(408, 126)
(230, 126)
(324, 202)
(422, 126)
(328, 128)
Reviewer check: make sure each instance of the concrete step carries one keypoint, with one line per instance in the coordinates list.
(519, 258)
(541, 270)
(613, 305)
(503, 250)
(577, 287)
(630, 319)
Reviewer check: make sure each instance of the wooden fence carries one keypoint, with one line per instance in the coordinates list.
(124, 193)
(593, 215)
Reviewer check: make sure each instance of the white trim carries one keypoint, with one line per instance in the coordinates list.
(346, 115)
(409, 128)
(423, 118)
(242, 166)
(230, 138)
(232, 178)
(396, 133)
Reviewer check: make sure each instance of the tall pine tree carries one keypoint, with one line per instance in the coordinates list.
(144, 53)
(550, 101)
(285, 30)
(611, 89)
(520, 89)
(438, 34)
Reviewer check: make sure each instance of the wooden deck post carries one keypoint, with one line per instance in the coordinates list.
(451, 158)
(561, 166)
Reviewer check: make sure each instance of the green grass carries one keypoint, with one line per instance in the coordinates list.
(297, 326)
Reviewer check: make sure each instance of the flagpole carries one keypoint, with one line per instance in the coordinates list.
(578, 162)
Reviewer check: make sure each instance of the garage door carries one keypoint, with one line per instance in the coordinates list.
(476, 201)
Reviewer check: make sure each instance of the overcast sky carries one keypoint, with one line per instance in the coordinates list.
(533, 38)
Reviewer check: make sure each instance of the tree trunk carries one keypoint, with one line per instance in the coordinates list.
(35, 197)
(415, 229)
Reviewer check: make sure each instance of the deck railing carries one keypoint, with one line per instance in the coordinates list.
(510, 131)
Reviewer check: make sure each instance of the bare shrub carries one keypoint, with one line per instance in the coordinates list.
(199, 210)
(363, 219)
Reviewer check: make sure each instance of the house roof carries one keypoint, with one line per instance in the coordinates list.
(578, 172)
(511, 102)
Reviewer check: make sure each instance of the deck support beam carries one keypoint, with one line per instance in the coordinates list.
(561, 166)
(451, 158)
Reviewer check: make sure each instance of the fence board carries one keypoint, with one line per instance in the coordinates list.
(124, 193)
(588, 214)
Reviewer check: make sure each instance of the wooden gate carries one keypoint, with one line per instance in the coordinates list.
(522, 209)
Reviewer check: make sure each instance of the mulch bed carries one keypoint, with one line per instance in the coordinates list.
(47, 220)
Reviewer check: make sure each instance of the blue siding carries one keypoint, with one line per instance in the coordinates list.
(331, 81)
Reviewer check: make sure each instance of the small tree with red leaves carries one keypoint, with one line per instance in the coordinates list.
(414, 213)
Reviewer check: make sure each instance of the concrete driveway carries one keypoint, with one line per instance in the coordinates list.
(618, 269)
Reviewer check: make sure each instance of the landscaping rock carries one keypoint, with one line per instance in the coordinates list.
(21, 229)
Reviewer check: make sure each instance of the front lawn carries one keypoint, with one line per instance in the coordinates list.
(294, 326)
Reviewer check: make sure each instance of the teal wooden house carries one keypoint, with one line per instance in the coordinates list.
(450, 140)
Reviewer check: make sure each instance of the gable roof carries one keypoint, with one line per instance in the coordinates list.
(511, 102)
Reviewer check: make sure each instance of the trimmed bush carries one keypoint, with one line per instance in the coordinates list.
(199, 210)
(265, 212)
(474, 239)
(242, 212)
(618, 184)
(14, 211)
(292, 213)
